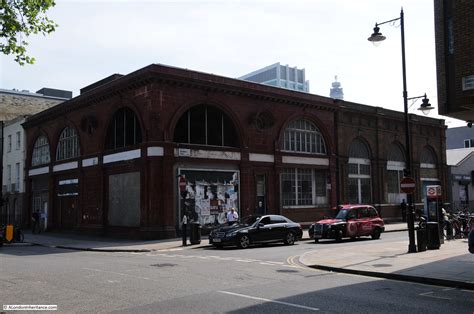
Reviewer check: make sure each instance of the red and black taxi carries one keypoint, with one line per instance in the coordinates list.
(351, 221)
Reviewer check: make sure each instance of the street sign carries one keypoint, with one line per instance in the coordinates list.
(407, 185)
(433, 191)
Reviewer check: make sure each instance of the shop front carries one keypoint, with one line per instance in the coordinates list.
(206, 195)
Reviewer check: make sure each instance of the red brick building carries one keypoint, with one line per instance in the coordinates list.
(112, 159)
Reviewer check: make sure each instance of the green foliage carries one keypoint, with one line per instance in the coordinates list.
(18, 20)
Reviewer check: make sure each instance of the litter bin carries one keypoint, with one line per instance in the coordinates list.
(421, 239)
(195, 232)
(432, 229)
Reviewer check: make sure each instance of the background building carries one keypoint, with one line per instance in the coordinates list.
(279, 75)
(461, 166)
(131, 156)
(454, 55)
(461, 137)
(460, 159)
(336, 91)
(15, 106)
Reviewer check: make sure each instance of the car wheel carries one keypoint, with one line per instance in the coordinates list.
(244, 241)
(376, 234)
(339, 236)
(316, 240)
(290, 238)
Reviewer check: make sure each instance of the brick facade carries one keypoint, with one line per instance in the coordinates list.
(159, 96)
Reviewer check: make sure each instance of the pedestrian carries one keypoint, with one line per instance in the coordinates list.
(471, 241)
(35, 219)
(184, 227)
(232, 216)
(403, 207)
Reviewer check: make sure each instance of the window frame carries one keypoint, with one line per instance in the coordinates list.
(359, 179)
(18, 140)
(468, 82)
(211, 118)
(68, 144)
(305, 134)
(41, 154)
(293, 196)
(9, 143)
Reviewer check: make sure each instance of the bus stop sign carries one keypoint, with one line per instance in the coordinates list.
(407, 185)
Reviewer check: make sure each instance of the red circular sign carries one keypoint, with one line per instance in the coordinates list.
(407, 185)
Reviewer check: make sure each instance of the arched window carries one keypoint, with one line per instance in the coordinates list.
(395, 167)
(304, 137)
(359, 182)
(41, 154)
(428, 168)
(206, 125)
(427, 157)
(124, 130)
(68, 144)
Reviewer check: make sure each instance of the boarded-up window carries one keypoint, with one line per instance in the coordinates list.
(124, 199)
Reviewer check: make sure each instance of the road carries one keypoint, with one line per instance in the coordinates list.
(205, 280)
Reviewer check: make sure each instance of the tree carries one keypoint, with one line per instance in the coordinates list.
(18, 20)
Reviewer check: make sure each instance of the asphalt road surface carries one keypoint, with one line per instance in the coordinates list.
(263, 279)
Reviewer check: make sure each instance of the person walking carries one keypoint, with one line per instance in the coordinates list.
(232, 216)
(184, 224)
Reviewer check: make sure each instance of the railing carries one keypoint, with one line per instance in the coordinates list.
(464, 206)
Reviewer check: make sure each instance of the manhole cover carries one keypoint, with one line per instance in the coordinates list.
(287, 271)
(382, 265)
(163, 265)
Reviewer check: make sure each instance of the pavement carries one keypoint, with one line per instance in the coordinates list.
(450, 266)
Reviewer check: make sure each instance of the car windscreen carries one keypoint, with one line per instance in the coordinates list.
(249, 220)
(342, 214)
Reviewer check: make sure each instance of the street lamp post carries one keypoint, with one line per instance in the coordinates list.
(376, 38)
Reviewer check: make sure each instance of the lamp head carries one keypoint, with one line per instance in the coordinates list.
(376, 37)
(425, 106)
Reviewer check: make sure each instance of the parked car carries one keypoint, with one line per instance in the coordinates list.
(257, 229)
(351, 221)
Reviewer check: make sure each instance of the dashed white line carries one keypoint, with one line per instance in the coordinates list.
(429, 295)
(269, 300)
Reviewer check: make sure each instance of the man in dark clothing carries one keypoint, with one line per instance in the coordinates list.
(403, 207)
(35, 218)
(471, 241)
(184, 228)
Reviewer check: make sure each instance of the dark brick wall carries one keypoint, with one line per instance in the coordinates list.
(160, 95)
(454, 53)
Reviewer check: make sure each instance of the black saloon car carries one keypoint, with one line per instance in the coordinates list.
(257, 229)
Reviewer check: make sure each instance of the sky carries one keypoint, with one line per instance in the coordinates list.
(231, 38)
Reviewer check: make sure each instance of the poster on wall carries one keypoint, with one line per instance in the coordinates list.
(209, 195)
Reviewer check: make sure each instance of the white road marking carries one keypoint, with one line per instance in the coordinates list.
(279, 263)
(244, 260)
(271, 301)
(428, 295)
